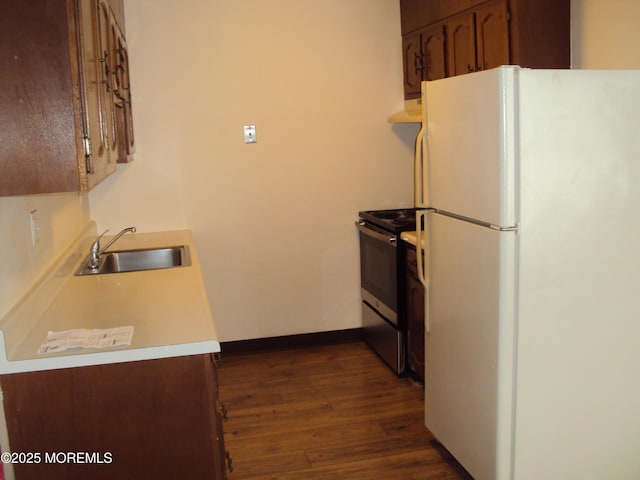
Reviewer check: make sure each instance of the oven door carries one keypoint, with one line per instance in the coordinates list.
(379, 270)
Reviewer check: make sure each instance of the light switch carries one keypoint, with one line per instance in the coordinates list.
(250, 134)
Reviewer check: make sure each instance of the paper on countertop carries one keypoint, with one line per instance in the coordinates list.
(85, 338)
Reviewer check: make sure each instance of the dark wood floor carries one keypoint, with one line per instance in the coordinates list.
(330, 412)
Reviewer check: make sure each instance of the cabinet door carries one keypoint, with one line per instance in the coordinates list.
(461, 43)
(143, 419)
(412, 63)
(38, 150)
(55, 79)
(94, 99)
(415, 316)
(221, 459)
(492, 35)
(128, 105)
(433, 48)
(122, 95)
(107, 50)
(117, 8)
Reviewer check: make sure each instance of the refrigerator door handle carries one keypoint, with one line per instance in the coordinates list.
(418, 168)
(421, 219)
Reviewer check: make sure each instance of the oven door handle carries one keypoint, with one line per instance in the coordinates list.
(390, 239)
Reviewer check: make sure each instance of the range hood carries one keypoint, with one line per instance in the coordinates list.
(412, 113)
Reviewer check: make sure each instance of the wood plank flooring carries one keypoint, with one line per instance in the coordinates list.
(330, 412)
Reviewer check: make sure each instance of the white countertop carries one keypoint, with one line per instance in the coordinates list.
(168, 309)
(410, 237)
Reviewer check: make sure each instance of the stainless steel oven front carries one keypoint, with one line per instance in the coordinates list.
(379, 270)
(379, 264)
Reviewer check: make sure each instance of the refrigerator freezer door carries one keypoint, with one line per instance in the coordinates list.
(469, 346)
(469, 149)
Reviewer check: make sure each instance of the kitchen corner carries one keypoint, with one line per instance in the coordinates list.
(75, 403)
(168, 309)
(273, 280)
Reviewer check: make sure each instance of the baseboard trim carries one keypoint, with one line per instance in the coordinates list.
(292, 341)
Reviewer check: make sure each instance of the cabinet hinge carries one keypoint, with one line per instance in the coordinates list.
(88, 154)
(87, 146)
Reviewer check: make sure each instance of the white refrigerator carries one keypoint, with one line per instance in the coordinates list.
(529, 187)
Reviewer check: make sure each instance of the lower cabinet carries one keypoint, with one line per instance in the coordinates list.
(414, 307)
(145, 419)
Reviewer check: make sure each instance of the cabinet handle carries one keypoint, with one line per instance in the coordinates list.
(417, 62)
(228, 461)
(105, 81)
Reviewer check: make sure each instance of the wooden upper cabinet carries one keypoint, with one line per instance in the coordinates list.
(40, 110)
(95, 110)
(539, 34)
(416, 14)
(423, 56)
(461, 44)
(433, 48)
(117, 8)
(122, 100)
(59, 128)
(108, 55)
(479, 40)
(412, 62)
(492, 36)
(484, 34)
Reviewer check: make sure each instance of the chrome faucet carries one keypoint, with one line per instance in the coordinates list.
(96, 251)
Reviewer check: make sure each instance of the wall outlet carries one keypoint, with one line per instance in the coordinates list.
(35, 227)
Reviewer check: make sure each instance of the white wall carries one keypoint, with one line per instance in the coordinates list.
(274, 221)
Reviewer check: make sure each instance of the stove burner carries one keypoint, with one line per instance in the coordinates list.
(387, 213)
(405, 215)
(396, 220)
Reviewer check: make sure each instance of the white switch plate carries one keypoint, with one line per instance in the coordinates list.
(35, 227)
(250, 134)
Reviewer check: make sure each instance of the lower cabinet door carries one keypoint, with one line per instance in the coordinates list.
(415, 326)
(144, 419)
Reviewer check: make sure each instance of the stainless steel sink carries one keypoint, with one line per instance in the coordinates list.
(137, 260)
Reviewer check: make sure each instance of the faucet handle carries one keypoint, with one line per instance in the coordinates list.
(95, 246)
(94, 253)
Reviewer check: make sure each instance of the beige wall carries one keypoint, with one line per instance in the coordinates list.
(318, 79)
(605, 34)
(274, 221)
(62, 217)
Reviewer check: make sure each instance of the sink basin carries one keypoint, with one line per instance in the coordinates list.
(137, 260)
